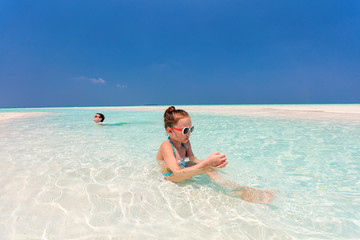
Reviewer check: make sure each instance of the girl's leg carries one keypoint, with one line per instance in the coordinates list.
(246, 193)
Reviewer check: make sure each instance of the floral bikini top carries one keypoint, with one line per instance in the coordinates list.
(181, 162)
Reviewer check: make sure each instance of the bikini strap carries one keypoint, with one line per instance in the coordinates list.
(174, 148)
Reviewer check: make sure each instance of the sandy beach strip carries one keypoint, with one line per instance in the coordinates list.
(296, 111)
(319, 111)
(14, 115)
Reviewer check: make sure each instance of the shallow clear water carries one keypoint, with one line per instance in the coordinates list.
(62, 177)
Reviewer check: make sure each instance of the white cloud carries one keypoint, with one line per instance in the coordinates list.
(93, 80)
(99, 80)
(121, 86)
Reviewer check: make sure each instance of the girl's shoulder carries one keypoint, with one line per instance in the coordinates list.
(164, 147)
(165, 144)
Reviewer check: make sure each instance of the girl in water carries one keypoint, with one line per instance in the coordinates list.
(173, 152)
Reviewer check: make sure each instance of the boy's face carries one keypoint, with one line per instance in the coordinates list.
(97, 118)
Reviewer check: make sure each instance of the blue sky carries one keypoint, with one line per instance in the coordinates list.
(100, 53)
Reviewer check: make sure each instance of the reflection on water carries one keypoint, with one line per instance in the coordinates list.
(70, 179)
(110, 124)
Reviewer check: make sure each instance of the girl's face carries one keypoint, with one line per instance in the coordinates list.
(177, 134)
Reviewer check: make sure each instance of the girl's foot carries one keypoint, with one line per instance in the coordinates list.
(255, 195)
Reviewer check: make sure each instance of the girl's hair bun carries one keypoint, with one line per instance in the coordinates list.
(172, 116)
(170, 109)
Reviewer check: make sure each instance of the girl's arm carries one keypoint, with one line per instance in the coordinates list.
(213, 160)
(190, 155)
(194, 160)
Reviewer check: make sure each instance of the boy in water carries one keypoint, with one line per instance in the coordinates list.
(99, 118)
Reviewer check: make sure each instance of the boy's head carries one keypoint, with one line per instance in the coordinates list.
(99, 117)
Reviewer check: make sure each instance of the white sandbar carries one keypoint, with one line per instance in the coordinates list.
(335, 111)
(303, 111)
(13, 115)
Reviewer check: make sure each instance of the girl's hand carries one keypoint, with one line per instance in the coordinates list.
(222, 164)
(216, 159)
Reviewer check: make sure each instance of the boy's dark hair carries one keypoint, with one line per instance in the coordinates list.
(102, 116)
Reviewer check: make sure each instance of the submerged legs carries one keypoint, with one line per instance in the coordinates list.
(246, 193)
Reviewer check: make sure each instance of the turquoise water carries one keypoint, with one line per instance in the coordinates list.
(63, 177)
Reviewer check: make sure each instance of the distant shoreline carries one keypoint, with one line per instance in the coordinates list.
(15, 115)
(345, 112)
(297, 111)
